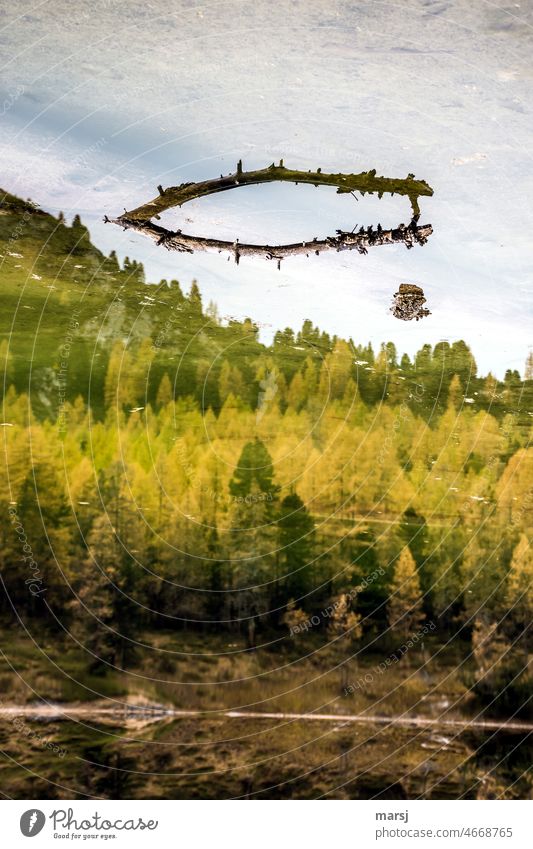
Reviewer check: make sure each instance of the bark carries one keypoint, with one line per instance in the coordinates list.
(365, 182)
(343, 240)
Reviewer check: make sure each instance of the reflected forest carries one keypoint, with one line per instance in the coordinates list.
(238, 568)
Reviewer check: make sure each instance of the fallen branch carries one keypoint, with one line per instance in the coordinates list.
(343, 240)
(365, 182)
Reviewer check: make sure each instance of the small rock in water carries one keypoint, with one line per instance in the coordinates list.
(409, 303)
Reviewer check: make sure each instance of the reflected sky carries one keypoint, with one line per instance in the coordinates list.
(101, 101)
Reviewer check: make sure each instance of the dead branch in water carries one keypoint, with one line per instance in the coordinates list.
(139, 219)
(366, 182)
(342, 241)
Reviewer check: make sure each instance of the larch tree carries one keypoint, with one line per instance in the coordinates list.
(136, 379)
(164, 393)
(336, 370)
(455, 393)
(230, 382)
(344, 621)
(252, 542)
(294, 618)
(254, 471)
(344, 629)
(491, 651)
(195, 299)
(296, 546)
(296, 395)
(116, 377)
(44, 514)
(519, 590)
(252, 536)
(95, 621)
(404, 611)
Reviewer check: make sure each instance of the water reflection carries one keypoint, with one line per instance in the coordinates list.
(217, 757)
